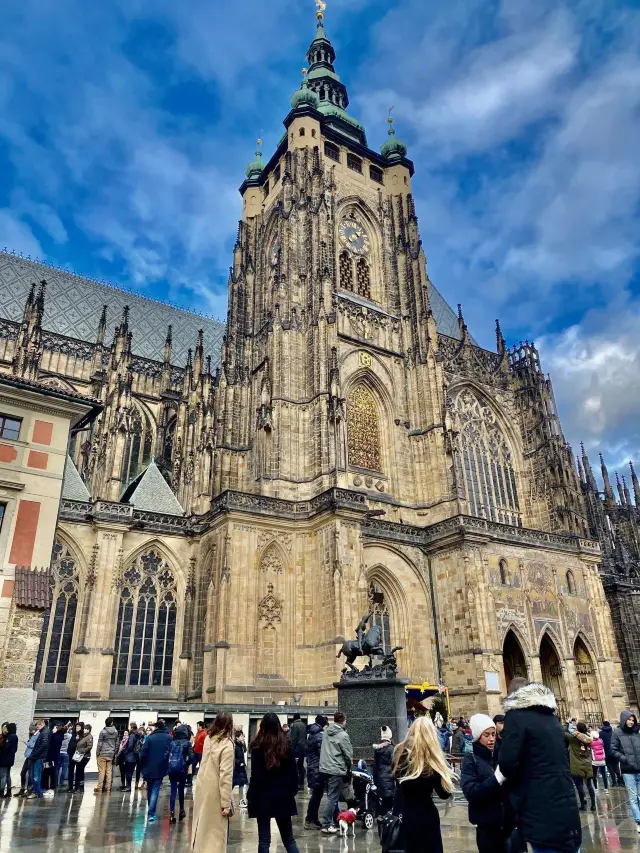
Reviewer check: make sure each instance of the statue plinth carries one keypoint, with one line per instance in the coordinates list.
(370, 703)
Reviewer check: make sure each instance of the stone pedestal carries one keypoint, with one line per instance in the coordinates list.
(369, 705)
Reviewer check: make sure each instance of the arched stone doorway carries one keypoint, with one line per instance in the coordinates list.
(591, 711)
(513, 659)
(552, 676)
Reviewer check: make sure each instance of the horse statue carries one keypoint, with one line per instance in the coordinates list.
(368, 644)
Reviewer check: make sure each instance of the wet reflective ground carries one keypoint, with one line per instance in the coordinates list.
(117, 822)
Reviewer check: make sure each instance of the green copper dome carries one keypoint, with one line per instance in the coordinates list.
(255, 167)
(393, 148)
(304, 97)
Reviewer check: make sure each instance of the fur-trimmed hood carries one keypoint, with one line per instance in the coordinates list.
(530, 696)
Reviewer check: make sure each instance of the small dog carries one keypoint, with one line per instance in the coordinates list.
(347, 819)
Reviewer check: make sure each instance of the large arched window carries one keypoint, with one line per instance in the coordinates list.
(346, 271)
(64, 605)
(137, 448)
(363, 430)
(379, 611)
(483, 461)
(146, 630)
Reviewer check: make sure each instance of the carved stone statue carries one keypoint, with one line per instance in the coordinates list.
(368, 643)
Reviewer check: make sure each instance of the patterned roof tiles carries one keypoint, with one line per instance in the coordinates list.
(32, 589)
(73, 306)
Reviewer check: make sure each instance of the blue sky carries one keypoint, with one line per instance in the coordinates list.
(125, 127)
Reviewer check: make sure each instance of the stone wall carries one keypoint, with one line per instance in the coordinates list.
(24, 629)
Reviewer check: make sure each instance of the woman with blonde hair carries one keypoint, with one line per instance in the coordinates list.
(212, 799)
(420, 769)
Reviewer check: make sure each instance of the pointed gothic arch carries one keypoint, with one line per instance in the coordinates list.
(484, 458)
(587, 677)
(362, 275)
(67, 578)
(364, 441)
(147, 618)
(139, 440)
(552, 670)
(513, 657)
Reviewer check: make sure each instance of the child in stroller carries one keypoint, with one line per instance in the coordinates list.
(366, 796)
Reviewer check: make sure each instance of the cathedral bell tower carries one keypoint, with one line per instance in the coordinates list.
(329, 365)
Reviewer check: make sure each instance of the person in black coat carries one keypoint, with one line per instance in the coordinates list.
(129, 757)
(53, 757)
(482, 787)
(239, 766)
(315, 779)
(383, 769)
(7, 757)
(420, 769)
(534, 760)
(154, 764)
(273, 785)
(38, 758)
(613, 765)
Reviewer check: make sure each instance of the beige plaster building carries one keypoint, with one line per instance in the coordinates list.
(348, 447)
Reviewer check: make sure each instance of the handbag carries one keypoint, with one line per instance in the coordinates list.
(391, 833)
(77, 756)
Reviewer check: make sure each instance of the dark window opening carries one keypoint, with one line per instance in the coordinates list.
(332, 151)
(376, 174)
(313, 132)
(10, 427)
(302, 131)
(276, 174)
(503, 572)
(3, 507)
(354, 163)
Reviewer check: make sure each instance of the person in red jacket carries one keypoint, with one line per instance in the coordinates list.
(198, 746)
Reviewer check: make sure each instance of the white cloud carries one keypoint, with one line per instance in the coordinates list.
(17, 236)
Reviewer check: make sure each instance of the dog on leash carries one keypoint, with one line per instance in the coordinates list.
(347, 819)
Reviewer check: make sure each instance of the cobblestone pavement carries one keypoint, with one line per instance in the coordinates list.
(116, 823)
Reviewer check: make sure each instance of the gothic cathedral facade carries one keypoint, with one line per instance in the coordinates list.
(223, 529)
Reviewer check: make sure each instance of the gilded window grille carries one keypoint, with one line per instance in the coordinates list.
(363, 279)
(64, 605)
(146, 629)
(484, 462)
(363, 429)
(346, 271)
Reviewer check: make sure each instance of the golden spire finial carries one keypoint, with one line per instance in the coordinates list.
(390, 120)
(321, 6)
(305, 71)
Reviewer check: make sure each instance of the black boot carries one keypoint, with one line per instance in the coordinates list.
(172, 819)
(20, 793)
(182, 815)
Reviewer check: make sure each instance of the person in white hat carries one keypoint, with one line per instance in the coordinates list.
(383, 768)
(482, 786)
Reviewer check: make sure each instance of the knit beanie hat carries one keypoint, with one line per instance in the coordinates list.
(480, 723)
(386, 733)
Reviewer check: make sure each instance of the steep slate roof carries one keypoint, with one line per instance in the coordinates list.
(152, 493)
(444, 315)
(73, 489)
(73, 305)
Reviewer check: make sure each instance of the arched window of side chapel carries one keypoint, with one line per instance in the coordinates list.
(65, 583)
(484, 461)
(363, 430)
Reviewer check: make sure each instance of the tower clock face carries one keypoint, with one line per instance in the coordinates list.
(354, 236)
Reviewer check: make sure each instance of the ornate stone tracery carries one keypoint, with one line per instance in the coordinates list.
(363, 428)
(270, 608)
(484, 461)
(64, 597)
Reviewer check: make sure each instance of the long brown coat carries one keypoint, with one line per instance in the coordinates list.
(213, 793)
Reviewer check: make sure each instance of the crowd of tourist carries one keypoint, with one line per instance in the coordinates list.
(525, 775)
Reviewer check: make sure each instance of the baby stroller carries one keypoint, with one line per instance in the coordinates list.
(366, 795)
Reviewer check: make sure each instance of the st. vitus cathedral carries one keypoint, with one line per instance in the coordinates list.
(343, 446)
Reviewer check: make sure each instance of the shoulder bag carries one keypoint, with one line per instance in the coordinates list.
(390, 827)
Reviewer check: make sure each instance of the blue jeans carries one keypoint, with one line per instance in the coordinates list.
(153, 790)
(177, 787)
(37, 776)
(64, 767)
(334, 786)
(632, 781)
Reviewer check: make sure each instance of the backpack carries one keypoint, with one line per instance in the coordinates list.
(137, 747)
(177, 764)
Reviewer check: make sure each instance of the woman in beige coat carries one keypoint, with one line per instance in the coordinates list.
(212, 800)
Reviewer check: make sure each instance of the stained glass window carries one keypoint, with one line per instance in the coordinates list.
(137, 448)
(484, 462)
(64, 605)
(363, 428)
(146, 630)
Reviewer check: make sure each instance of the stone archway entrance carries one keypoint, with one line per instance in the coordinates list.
(513, 659)
(591, 711)
(552, 676)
